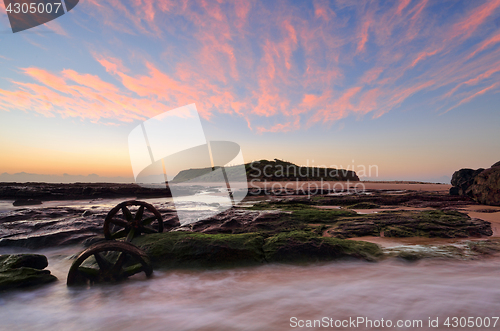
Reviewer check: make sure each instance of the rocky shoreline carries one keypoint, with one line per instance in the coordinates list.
(38, 192)
(277, 228)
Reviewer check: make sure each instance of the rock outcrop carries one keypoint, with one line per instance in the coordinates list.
(23, 270)
(486, 187)
(483, 186)
(35, 193)
(194, 250)
(46, 227)
(27, 202)
(463, 179)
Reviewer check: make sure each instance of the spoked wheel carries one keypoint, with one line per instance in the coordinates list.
(109, 261)
(132, 218)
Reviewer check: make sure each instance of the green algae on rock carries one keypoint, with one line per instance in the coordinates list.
(300, 246)
(463, 250)
(432, 223)
(193, 250)
(321, 215)
(363, 205)
(23, 270)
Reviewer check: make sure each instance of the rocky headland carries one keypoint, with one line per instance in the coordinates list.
(273, 171)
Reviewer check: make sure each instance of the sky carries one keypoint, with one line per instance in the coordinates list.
(409, 86)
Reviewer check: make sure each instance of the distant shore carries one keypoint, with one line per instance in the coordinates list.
(76, 191)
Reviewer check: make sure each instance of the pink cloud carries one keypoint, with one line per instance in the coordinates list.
(332, 109)
(288, 65)
(56, 27)
(363, 37)
(371, 75)
(423, 55)
(285, 127)
(486, 44)
(474, 81)
(92, 81)
(322, 10)
(476, 17)
(402, 5)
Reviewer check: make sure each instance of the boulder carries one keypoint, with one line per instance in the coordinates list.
(23, 270)
(15, 261)
(496, 164)
(463, 179)
(486, 187)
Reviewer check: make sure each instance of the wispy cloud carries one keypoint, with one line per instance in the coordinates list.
(280, 66)
(469, 98)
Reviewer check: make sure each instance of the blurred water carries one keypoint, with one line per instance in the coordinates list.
(259, 298)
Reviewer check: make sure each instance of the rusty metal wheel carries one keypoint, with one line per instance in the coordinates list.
(108, 261)
(147, 219)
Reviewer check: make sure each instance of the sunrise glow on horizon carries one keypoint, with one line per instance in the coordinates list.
(410, 86)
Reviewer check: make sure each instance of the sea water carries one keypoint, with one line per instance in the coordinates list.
(266, 297)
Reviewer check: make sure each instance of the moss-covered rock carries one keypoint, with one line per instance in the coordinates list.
(485, 247)
(198, 250)
(413, 253)
(284, 204)
(433, 223)
(300, 246)
(363, 205)
(409, 199)
(14, 261)
(321, 215)
(23, 270)
(188, 249)
(346, 223)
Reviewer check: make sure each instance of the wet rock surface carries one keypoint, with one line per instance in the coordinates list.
(23, 270)
(432, 224)
(463, 179)
(486, 187)
(27, 202)
(55, 226)
(187, 249)
(300, 246)
(465, 250)
(413, 199)
(286, 215)
(47, 227)
(47, 191)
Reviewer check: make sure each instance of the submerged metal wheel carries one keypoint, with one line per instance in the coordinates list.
(108, 261)
(147, 219)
